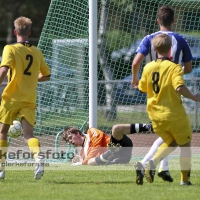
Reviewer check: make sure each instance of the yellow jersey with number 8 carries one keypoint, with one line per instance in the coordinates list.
(160, 79)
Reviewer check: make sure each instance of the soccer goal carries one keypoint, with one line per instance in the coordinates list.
(64, 101)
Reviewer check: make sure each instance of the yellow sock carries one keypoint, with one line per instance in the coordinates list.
(185, 164)
(3, 149)
(163, 151)
(185, 175)
(34, 146)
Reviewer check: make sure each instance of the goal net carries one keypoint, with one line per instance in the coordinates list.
(64, 100)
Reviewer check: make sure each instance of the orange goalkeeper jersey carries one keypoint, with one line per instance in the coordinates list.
(95, 144)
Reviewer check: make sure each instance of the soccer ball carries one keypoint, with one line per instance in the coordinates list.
(15, 129)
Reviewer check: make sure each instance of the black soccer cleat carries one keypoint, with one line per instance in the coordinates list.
(165, 175)
(150, 170)
(139, 173)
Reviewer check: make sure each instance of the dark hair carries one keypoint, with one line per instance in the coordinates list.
(166, 15)
(70, 130)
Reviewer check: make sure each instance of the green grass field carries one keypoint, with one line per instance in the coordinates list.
(116, 182)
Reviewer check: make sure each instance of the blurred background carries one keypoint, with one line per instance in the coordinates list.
(36, 10)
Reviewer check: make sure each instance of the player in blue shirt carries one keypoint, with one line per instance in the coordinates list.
(179, 53)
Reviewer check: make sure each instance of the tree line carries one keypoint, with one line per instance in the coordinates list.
(36, 10)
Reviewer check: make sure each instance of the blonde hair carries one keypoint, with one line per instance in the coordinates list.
(22, 25)
(162, 43)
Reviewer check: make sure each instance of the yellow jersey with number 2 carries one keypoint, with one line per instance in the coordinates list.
(25, 62)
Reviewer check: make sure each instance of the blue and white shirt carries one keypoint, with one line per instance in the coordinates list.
(180, 51)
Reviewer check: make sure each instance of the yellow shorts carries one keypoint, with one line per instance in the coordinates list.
(179, 130)
(10, 110)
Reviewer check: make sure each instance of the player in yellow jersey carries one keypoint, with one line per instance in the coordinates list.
(25, 66)
(163, 81)
(179, 53)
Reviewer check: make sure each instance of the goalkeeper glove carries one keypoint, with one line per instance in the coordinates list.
(114, 147)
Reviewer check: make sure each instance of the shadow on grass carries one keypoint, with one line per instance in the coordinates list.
(91, 182)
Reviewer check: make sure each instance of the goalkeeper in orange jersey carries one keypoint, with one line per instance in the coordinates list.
(25, 66)
(97, 146)
(163, 81)
(95, 150)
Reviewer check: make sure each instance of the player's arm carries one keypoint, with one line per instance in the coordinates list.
(6, 63)
(183, 90)
(45, 73)
(187, 57)
(42, 78)
(142, 86)
(142, 51)
(179, 86)
(92, 153)
(3, 73)
(92, 161)
(187, 68)
(135, 69)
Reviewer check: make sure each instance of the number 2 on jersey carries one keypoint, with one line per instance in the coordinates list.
(30, 58)
(155, 79)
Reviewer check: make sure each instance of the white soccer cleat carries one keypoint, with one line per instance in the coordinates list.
(39, 168)
(184, 183)
(2, 174)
